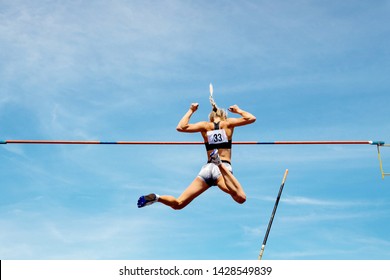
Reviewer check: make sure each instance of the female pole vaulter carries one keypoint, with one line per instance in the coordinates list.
(217, 134)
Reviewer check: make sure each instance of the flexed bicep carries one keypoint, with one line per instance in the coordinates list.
(246, 117)
(192, 127)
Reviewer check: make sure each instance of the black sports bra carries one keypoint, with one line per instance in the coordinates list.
(224, 145)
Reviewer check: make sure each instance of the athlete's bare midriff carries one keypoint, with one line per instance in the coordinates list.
(224, 154)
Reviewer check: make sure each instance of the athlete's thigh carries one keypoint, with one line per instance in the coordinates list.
(197, 187)
(222, 185)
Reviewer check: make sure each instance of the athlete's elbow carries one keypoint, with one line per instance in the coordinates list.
(180, 128)
(251, 119)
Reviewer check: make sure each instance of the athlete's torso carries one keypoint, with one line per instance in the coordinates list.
(219, 136)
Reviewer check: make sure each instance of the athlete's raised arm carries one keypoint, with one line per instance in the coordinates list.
(246, 117)
(185, 126)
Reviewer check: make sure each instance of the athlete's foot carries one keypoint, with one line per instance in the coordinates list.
(214, 157)
(146, 200)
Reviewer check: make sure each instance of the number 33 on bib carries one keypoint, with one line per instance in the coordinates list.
(217, 136)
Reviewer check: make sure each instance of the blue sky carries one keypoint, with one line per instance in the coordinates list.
(128, 70)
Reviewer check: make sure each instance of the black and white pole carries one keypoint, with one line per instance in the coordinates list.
(273, 215)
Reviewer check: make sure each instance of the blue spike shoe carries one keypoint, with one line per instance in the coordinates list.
(214, 157)
(146, 200)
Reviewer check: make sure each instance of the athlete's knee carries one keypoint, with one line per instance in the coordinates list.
(240, 198)
(178, 205)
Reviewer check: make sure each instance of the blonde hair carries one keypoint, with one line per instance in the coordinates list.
(219, 113)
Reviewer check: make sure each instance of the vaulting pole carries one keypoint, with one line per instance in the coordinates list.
(273, 215)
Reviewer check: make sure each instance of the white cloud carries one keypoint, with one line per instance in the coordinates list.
(299, 200)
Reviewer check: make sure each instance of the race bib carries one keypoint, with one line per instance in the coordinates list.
(217, 136)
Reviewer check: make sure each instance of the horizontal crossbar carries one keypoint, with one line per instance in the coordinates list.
(95, 142)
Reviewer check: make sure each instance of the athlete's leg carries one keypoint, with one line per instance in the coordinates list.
(229, 184)
(232, 184)
(197, 187)
(229, 181)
